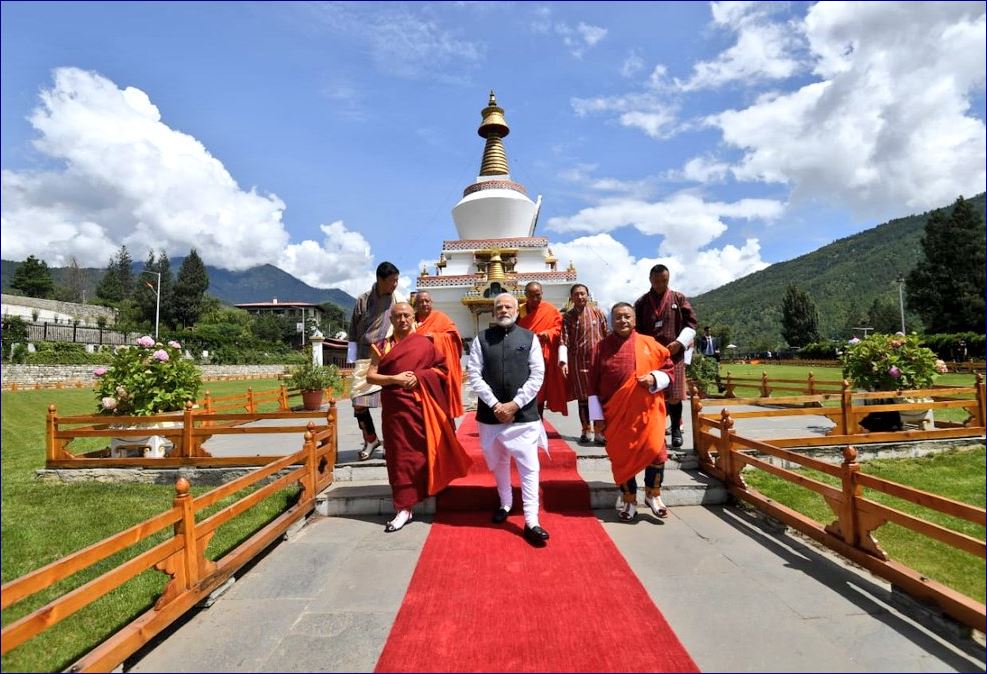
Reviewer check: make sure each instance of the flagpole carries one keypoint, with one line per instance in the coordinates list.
(157, 302)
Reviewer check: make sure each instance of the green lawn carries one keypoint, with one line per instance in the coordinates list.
(957, 474)
(43, 522)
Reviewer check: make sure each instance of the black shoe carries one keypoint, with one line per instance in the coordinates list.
(500, 516)
(584, 440)
(535, 534)
(676, 437)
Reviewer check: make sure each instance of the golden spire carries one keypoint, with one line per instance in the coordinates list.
(494, 129)
(495, 270)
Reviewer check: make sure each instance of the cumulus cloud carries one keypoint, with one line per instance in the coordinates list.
(642, 110)
(888, 125)
(632, 65)
(686, 221)
(764, 50)
(614, 275)
(128, 178)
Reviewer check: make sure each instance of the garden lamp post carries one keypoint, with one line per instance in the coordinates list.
(157, 302)
(901, 300)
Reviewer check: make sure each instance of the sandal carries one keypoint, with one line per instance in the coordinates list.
(402, 518)
(368, 451)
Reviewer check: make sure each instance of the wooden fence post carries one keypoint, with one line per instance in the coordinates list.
(695, 405)
(187, 422)
(765, 389)
(846, 404)
(812, 384)
(283, 397)
(251, 403)
(207, 402)
(311, 479)
(50, 425)
(851, 492)
(723, 458)
(729, 391)
(186, 529)
(981, 414)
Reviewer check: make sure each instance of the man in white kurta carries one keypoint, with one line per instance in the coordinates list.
(506, 370)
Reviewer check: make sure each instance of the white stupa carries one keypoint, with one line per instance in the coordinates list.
(497, 250)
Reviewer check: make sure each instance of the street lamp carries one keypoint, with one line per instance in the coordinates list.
(901, 300)
(157, 303)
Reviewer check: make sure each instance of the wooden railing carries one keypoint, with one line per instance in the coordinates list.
(847, 408)
(724, 454)
(766, 385)
(181, 556)
(187, 432)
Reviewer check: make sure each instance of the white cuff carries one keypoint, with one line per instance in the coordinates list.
(351, 352)
(595, 409)
(662, 381)
(686, 336)
(563, 354)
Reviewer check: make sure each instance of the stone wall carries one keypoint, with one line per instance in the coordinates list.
(49, 375)
(53, 310)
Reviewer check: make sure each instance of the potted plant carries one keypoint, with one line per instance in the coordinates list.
(144, 379)
(891, 363)
(313, 380)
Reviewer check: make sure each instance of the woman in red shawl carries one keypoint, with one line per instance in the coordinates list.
(423, 454)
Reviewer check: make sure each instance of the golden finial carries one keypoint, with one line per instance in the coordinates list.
(424, 270)
(495, 270)
(441, 264)
(494, 128)
(572, 267)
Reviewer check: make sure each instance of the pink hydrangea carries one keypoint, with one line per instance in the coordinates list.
(100, 371)
(941, 367)
(146, 341)
(109, 403)
(894, 371)
(161, 355)
(175, 345)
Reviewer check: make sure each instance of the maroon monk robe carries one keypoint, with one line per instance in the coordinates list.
(402, 417)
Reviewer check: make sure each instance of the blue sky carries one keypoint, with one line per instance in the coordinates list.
(326, 137)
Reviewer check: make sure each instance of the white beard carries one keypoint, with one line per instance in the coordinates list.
(506, 321)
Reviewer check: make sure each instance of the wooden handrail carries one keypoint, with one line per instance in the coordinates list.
(857, 517)
(182, 556)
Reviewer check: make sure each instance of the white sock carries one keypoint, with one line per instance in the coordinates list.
(400, 519)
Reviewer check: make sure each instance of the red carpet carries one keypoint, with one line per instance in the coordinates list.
(481, 599)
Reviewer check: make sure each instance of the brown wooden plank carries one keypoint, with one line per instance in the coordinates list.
(790, 476)
(244, 481)
(37, 580)
(166, 462)
(777, 452)
(890, 436)
(58, 610)
(923, 498)
(219, 518)
(918, 525)
(964, 609)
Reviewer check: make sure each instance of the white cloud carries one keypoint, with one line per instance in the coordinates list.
(705, 170)
(765, 50)
(632, 65)
(130, 179)
(686, 222)
(614, 275)
(584, 36)
(646, 111)
(888, 127)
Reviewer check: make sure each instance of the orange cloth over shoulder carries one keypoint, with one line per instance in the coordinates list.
(636, 417)
(445, 336)
(447, 460)
(547, 319)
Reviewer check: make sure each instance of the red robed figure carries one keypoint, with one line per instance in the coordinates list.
(445, 335)
(547, 319)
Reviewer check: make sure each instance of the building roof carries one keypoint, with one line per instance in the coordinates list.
(275, 303)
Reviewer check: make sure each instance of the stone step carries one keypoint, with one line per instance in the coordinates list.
(349, 468)
(373, 497)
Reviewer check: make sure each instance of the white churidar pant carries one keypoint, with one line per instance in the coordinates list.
(501, 442)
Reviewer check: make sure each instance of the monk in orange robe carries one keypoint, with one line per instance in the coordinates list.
(444, 334)
(626, 380)
(545, 321)
(423, 454)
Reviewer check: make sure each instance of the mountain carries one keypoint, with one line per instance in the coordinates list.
(842, 277)
(257, 284)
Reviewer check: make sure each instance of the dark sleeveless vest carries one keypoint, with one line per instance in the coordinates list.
(505, 369)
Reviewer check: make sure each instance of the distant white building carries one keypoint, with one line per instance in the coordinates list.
(37, 310)
(497, 250)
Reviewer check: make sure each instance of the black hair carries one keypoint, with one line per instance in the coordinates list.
(620, 305)
(385, 269)
(578, 285)
(657, 269)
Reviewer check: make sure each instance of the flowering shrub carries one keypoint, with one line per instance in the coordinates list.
(146, 379)
(891, 362)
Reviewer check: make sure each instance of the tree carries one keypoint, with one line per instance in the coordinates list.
(855, 318)
(799, 319)
(33, 278)
(190, 288)
(946, 288)
(74, 288)
(334, 319)
(146, 292)
(884, 316)
(117, 283)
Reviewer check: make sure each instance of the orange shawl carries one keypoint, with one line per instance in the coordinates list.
(445, 336)
(546, 323)
(447, 460)
(636, 417)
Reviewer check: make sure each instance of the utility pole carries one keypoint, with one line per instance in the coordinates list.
(157, 303)
(901, 300)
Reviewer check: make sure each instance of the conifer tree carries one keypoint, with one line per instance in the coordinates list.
(946, 289)
(190, 288)
(33, 278)
(799, 320)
